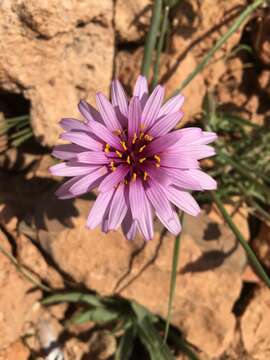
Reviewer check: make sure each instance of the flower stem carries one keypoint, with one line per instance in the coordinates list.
(160, 44)
(251, 255)
(245, 14)
(173, 279)
(151, 37)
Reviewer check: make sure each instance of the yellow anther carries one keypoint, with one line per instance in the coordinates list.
(128, 159)
(142, 160)
(157, 165)
(141, 135)
(125, 182)
(134, 138)
(142, 126)
(107, 148)
(145, 175)
(123, 145)
(156, 157)
(134, 176)
(148, 137)
(119, 153)
(112, 166)
(142, 148)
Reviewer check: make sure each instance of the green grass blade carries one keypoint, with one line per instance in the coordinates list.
(151, 38)
(160, 44)
(239, 21)
(251, 255)
(173, 280)
(126, 344)
(73, 297)
(98, 315)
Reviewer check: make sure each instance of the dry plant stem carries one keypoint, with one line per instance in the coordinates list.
(151, 38)
(251, 255)
(245, 14)
(160, 44)
(26, 273)
(173, 279)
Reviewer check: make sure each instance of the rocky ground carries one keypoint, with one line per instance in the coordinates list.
(52, 54)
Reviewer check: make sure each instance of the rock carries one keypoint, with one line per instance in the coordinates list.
(255, 326)
(64, 52)
(211, 262)
(132, 19)
(16, 300)
(172, 74)
(15, 351)
(102, 345)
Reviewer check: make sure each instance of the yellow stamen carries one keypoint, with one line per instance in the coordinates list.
(141, 135)
(157, 165)
(142, 160)
(107, 148)
(134, 176)
(148, 137)
(145, 175)
(112, 166)
(119, 153)
(128, 159)
(156, 157)
(124, 145)
(134, 138)
(142, 148)
(125, 182)
(142, 126)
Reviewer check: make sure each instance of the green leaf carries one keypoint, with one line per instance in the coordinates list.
(153, 342)
(98, 315)
(73, 297)
(126, 344)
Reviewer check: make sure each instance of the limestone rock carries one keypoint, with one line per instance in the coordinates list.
(255, 326)
(210, 263)
(132, 19)
(16, 351)
(64, 52)
(16, 302)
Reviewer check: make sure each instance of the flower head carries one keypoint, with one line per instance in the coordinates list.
(127, 150)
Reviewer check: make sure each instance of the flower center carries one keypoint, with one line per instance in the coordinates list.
(134, 154)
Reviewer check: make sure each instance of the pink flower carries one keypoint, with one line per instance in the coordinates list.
(127, 149)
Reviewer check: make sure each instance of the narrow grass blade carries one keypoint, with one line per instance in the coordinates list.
(98, 315)
(73, 297)
(251, 255)
(239, 21)
(160, 44)
(126, 344)
(22, 139)
(151, 37)
(173, 280)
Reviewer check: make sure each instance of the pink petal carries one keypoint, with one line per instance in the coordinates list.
(84, 184)
(152, 107)
(184, 179)
(105, 135)
(163, 208)
(165, 124)
(82, 139)
(118, 208)
(178, 160)
(183, 200)
(73, 124)
(141, 209)
(88, 112)
(186, 136)
(107, 113)
(114, 178)
(63, 191)
(196, 151)
(172, 105)
(66, 151)
(129, 227)
(66, 169)
(206, 181)
(134, 117)
(119, 97)
(141, 90)
(93, 157)
(206, 138)
(162, 143)
(99, 208)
